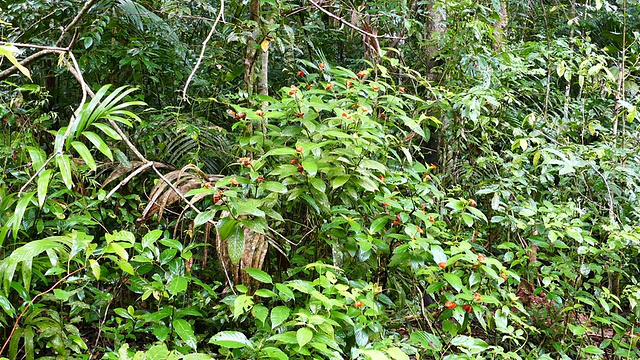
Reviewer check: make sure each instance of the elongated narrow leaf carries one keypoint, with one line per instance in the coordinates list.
(43, 186)
(85, 154)
(21, 207)
(64, 164)
(97, 141)
(108, 130)
(37, 156)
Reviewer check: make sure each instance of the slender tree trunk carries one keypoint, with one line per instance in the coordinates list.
(498, 32)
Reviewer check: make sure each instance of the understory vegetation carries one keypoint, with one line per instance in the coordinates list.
(314, 179)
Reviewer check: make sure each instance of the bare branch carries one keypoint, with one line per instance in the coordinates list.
(29, 59)
(349, 24)
(87, 6)
(204, 47)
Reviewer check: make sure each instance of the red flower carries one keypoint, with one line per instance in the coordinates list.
(450, 305)
(477, 297)
(301, 73)
(322, 65)
(329, 86)
(442, 264)
(467, 308)
(401, 89)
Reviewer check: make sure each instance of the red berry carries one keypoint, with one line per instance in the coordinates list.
(442, 264)
(467, 308)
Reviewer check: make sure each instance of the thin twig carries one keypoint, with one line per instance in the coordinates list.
(75, 21)
(204, 47)
(363, 32)
(140, 169)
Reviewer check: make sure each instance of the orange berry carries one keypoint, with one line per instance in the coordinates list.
(503, 275)
(300, 73)
(467, 308)
(329, 86)
(382, 178)
(362, 73)
(477, 297)
(234, 182)
(385, 204)
(481, 258)
(260, 179)
(322, 65)
(358, 304)
(298, 115)
(450, 305)
(375, 87)
(442, 264)
(298, 149)
(401, 89)
(293, 91)
(260, 113)
(431, 219)
(427, 177)
(349, 83)
(472, 202)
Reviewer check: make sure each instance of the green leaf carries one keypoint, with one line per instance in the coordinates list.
(273, 353)
(43, 186)
(397, 354)
(21, 207)
(378, 224)
(37, 157)
(438, 254)
(178, 285)
(95, 268)
(278, 315)
(125, 266)
(454, 280)
(374, 354)
(97, 141)
(8, 51)
(231, 340)
(150, 238)
(471, 344)
(235, 244)
(273, 186)
(259, 275)
(592, 349)
(61, 294)
(249, 207)
(340, 180)
(85, 154)
(117, 249)
(5, 304)
(310, 166)
(108, 130)
(184, 330)
(64, 164)
(204, 217)
(303, 336)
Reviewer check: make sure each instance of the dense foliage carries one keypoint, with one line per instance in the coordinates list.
(319, 179)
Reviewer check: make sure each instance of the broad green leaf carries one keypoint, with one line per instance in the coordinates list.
(231, 340)
(273, 353)
(125, 266)
(177, 285)
(97, 141)
(278, 315)
(85, 154)
(378, 224)
(397, 354)
(454, 281)
(260, 312)
(471, 344)
(273, 186)
(438, 254)
(61, 294)
(249, 207)
(204, 217)
(338, 181)
(372, 164)
(374, 354)
(367, 184)
(184, 330)
(117, 249)
(259, 275)
(235, 244)
(310, 166)
(150, 238)
(303, 336)
(593, 350)
(197, 357)
(43, 186)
